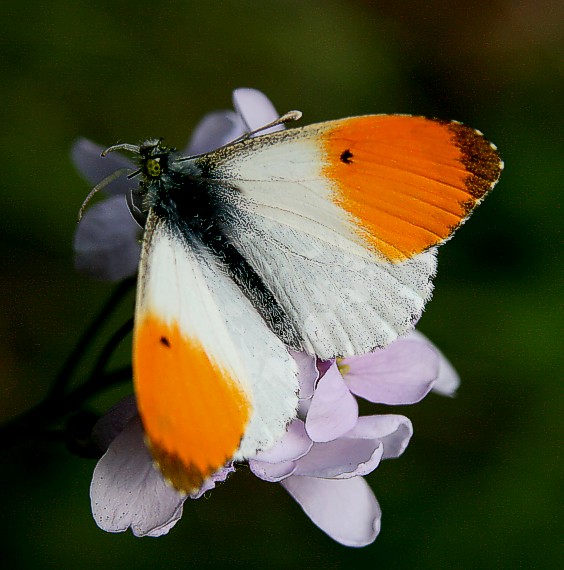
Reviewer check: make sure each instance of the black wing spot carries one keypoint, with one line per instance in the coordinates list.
(346, 156)
(164, 341)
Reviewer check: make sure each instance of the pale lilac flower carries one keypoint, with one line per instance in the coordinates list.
(447, 380)
(403, 373)
(326, 451)
(320, 461)
(107, 240)
(127, 491)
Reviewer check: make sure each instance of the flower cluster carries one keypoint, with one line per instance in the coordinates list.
(326, 450)
(320, 461)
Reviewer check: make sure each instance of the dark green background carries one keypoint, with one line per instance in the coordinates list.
(479, 485)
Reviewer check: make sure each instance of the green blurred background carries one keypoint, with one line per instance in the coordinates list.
(479, 486)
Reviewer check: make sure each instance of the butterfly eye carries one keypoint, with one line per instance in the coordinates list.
(153, 167)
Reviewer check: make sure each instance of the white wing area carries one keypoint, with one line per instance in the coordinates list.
(186, 286)
(281, 180)
(344, 298)
(343, 304)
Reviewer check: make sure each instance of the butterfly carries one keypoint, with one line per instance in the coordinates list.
(319, 239)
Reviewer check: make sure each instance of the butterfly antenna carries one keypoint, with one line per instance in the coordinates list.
(129, 147)
(101, 185)
(285, 118)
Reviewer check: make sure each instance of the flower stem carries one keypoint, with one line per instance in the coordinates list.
(32, 424)
(67, 370)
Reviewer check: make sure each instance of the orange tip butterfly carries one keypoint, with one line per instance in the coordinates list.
(319, 239)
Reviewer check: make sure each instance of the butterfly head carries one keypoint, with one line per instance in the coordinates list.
(153, 159)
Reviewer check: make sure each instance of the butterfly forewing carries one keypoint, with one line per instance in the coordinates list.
(212, 382)
(340, 219)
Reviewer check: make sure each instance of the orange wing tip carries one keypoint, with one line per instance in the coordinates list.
(194, 412)
(407, 183)
(187, 479)
(479, 156)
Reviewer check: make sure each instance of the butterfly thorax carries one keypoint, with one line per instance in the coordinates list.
(163, 177)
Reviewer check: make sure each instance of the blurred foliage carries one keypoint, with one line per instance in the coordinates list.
(479, 485)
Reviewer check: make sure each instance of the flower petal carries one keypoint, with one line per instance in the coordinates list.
(307, 373)
(346, 510)
(341, 459)
(106, 241)
(86, 157)
(272, 472)
(218, 477)
(447, 381)
(402, 373)
(333, 410)
(394, 431)
(324, 365)
(215, 130)
(294, 444)
(128, 492)
(113, 422)
(255, 109)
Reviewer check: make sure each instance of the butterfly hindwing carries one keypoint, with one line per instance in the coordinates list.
(342, 304)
